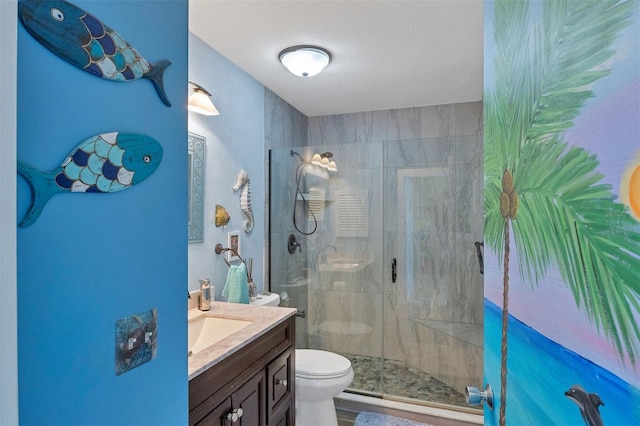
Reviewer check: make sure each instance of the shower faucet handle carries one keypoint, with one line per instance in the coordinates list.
(292, 243)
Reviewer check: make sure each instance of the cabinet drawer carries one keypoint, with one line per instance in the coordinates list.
(280, 377)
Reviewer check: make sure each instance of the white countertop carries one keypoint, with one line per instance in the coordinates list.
(263, 318)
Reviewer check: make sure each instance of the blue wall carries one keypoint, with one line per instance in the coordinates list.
(90, 260)
(235, 140)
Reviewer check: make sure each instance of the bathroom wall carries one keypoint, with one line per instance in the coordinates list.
(8, 302)
(235, 140)
(438, 149)
(562, 268)
(92, 259)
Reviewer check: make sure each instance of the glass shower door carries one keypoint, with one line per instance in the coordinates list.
(433, 310)
(418, 202)
(335, 279)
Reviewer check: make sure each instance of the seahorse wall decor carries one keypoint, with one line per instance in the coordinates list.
(243, 181)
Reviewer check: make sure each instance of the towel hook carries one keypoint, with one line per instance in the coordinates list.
(219, 249)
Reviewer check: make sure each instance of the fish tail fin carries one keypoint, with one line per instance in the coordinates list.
(155, 75)
(42, 189)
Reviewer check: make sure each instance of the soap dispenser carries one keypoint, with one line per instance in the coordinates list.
(205, 294)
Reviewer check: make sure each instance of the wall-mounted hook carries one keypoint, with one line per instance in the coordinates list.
(292, 243)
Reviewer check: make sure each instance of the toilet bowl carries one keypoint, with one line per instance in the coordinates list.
(320, 376)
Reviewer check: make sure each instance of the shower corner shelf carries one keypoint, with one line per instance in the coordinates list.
(308, 198)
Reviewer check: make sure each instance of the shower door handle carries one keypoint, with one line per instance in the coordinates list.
(394, 270)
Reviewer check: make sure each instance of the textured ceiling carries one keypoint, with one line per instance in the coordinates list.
(385, 54)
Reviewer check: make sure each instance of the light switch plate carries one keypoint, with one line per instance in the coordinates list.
(136, 340)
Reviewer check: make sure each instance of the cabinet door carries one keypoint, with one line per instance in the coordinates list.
(250, 397)
(218, 416)
(279, 382)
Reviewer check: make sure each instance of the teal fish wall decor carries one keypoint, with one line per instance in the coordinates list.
(84, 41)
(108, 162)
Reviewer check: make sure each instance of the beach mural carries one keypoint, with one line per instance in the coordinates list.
(562, 211)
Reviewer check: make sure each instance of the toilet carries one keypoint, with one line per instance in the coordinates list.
(266, 299)
(320, 376)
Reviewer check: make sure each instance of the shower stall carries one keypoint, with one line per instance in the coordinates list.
(384, 269)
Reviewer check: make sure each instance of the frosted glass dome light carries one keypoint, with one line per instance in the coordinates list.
(305, 61)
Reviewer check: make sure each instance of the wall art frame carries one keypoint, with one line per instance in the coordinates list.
(233, 242)
(195, 176)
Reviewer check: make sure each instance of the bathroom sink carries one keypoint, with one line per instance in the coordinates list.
(206, 330)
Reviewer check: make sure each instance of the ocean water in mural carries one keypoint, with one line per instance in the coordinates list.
(84, 41)
(552, 370)
(562, 237)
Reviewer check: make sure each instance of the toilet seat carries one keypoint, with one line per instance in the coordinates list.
(316, 364)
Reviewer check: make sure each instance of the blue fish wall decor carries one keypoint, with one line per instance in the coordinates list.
(104, 163)
(84, 41)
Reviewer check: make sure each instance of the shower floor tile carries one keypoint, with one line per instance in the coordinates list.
(400, 380)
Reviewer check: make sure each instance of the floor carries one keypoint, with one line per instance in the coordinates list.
(400, 380)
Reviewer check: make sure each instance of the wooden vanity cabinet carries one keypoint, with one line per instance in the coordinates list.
(258, 380)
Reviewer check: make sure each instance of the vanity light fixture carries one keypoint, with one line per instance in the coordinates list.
(200, 101)
(304, 60)
(323, 161)
(316, 160)
(320, 160)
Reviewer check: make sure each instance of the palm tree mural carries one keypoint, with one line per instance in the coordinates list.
(540, 193)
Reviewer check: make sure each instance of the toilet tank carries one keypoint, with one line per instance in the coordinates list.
(266, 299)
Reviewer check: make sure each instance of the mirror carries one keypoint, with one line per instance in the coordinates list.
(195, 178)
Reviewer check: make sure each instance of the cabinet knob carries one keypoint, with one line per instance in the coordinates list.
(234, 415)
(282, 382)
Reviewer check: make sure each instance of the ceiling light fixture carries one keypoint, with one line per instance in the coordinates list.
(200, 101)
(305, 61)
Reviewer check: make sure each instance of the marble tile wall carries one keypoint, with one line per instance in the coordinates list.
(420, 170)
(285, 128)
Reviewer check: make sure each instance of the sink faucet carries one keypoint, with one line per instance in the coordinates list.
(323, 254)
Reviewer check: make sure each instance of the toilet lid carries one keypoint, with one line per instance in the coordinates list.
(313, 363)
